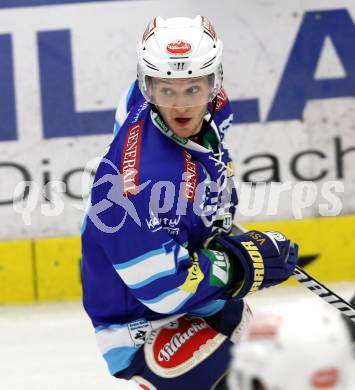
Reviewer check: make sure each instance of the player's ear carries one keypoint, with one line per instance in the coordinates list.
(149, 82)
(211, 78)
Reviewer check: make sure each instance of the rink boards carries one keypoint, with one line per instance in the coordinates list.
(289, 71)
(49, 269)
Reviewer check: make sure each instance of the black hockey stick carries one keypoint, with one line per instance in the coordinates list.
(318, 288)
(323, 292)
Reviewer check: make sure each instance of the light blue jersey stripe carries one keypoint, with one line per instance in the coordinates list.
(183, 258)
(157, 276)
(153, 278)
(178, 307)
(139, 259)
(129, 94)
(85, 223)
(112, 326)
(116, 127)
(143, 257)
(87, 213)
(209, 309)
(120, 358)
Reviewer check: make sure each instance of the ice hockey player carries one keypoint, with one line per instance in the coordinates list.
(294, 347)
(163, 277)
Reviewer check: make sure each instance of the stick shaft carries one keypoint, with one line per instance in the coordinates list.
(324, 292)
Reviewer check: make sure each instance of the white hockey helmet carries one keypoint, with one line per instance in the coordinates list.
(180, 53)
(294, 348)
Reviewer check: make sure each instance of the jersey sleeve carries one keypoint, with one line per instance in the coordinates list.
(160, 272)
(125, 104)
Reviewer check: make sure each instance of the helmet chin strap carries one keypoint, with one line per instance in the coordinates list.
(214, 106)
(154, 108)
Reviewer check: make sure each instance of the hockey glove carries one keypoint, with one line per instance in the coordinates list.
(266, 259)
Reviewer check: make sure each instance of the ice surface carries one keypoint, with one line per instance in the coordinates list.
(52, 346)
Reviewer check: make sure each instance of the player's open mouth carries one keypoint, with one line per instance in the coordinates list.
(182, 121)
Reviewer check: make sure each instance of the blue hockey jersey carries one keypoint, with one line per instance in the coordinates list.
(156, 201)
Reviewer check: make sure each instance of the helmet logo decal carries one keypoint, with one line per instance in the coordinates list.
(206, 24)
(264, 327)
(150, 28)
(325, 379)
(178, 48)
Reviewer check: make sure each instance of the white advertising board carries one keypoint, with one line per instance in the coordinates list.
(289, 73)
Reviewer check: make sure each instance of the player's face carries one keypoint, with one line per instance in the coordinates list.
(182, 103)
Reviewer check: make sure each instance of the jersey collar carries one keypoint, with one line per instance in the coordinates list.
(182, 141)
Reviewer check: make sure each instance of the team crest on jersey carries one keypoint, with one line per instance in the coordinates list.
(173, 352)
(130, 158)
